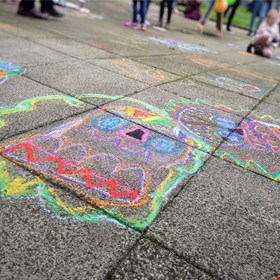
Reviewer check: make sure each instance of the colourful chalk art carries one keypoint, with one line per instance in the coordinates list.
(124, 170)
(7, 70)
(175, 44)
(237, 85)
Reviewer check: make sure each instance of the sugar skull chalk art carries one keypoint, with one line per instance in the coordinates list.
(7, 70)
(124, 169)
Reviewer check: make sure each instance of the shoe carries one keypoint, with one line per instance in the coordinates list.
(200, 28)
(32, 13)
(160, 28)
(249, 48)
(131, 24)
(249, 33)
(143, 27)
(228, 30)
(52, 12)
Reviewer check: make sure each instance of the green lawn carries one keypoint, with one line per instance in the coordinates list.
(241, 18)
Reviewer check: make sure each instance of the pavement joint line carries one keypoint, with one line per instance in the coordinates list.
(110, 274)
(182, 257)
(29, 131)
(115, 72)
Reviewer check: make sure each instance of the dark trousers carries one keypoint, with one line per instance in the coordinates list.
(232, 12)
(169, 11)
(29, 4)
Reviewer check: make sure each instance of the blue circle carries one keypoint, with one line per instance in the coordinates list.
(109, 123)
(163, 145)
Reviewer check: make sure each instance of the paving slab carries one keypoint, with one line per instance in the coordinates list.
(192, 122)
(124, 168)
(73, 48)
(20, 52)
(82, 77)
(241, 80)
(150, 261)
(274, 96)
(27, 105)
(40, 240)
(212, 95)
(226, 222)
(137, 71)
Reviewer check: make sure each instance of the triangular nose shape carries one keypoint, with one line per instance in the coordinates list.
(136, 134)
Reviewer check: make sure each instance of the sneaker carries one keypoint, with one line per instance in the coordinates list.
(52, 12)
(32, 13)
(143, 27)
(131, 24)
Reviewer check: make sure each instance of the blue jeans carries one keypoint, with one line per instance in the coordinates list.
(142, 10)
(259, 8)
(206, 15)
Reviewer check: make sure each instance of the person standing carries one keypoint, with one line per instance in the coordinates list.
(259, 8)
(232, 13)
(142, 11)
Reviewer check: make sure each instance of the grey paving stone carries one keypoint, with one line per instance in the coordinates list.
(45, 235)
(240, 80)
(137, 71)
(212, 95)
(73, 48)
(149, 261)
(26, 53)
(110, 162)
(226, 220)
(274, 95)
(82, 77)
(27, 105)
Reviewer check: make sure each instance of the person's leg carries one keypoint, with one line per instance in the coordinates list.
(232, 13)
(161, 11)
(207, 14)
(262, 12)
(47, 7)
(267, 52)
(134, 22)
(169, 13)
(143, 10)
(46, 4)
(134, 11)
(27, 8)
(27, 4)
(254, 14)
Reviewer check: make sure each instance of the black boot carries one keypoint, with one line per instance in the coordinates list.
(249, 48)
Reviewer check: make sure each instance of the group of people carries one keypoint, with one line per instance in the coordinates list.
(265, 37)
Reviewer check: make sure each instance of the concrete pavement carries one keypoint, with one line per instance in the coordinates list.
(136, 155)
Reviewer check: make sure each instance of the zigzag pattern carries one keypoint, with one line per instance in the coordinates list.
(86, 172)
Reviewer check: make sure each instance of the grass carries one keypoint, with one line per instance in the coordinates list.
(241, 18)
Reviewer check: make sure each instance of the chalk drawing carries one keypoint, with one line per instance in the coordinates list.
(138, 72)
(237, 85)
(125, 170)
(175, 44)
(207, 62)
(7, 70)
